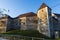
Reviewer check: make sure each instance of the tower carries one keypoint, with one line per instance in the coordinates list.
(44, 20)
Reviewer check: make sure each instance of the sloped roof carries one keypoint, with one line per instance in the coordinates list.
(58, 15)
(43, 6)
(4, 16)
(28, 14)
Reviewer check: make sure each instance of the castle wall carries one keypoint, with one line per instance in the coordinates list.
(31, 23)
(44, 21)
(22, 23)
(3, 24)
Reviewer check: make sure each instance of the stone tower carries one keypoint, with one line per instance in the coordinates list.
(44, 20)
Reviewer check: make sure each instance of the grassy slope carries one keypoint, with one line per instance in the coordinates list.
(30, 33)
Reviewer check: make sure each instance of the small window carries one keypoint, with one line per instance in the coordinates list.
(42, 10)
(22, 23)
(3, 21)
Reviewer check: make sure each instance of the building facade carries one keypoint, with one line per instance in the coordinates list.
(48, 22)
(44, 21)
(5, 21)
(28, 21)
(44, 17)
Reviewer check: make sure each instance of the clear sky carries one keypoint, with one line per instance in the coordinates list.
(18, 7)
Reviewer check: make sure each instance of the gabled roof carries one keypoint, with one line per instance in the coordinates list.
(28, 14)
(43, 6)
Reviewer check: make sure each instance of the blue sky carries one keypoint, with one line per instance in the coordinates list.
(18, 7)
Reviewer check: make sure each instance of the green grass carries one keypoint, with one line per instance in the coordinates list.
(30, 33)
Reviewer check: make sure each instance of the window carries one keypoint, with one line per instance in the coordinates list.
(42, 10)
(3, 21)
(56, 34)
(23, 23)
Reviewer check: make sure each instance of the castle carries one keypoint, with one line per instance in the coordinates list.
(44, 21)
